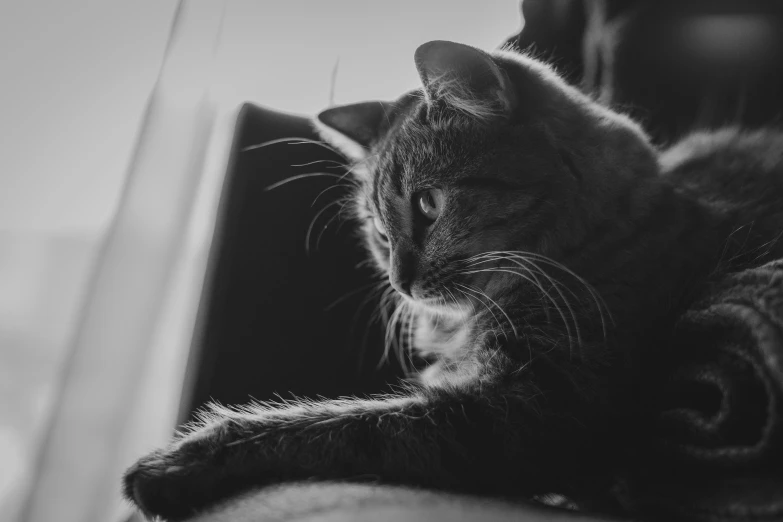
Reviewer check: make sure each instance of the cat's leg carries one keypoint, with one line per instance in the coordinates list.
(494, 443)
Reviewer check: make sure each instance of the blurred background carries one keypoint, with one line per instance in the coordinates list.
(117, 119)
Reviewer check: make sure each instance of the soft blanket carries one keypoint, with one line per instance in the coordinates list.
(717, 449)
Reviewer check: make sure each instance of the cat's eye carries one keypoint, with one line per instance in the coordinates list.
(430, 203)
(380, 228)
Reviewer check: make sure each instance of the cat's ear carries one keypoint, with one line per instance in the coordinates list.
(465, 78)
(354, 128)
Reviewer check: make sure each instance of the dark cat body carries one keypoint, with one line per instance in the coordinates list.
(544, 251)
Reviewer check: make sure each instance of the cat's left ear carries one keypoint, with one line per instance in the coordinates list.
(354, 128)
(465, 78)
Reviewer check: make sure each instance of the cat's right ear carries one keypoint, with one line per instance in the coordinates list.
(466, 78)
(353, 129)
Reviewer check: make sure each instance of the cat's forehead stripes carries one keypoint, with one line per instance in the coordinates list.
(414, 156)
(386, 182)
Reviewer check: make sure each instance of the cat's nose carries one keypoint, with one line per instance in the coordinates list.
(402, 286)
(402, 272)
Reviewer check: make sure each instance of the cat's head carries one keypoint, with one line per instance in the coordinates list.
(494, 153)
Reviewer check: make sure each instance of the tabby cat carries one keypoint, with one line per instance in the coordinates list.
(542, 248)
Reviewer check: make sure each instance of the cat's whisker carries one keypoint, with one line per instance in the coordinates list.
(465, 288)
(315, 218)
(506, 254)
(521, 261)
(381, 313)
(489, 257)
(454, 299)
(350, 170)
(543, 290)
(546, 311)
(555, 284)
(364, 263)
(352, 293)
(471, 297)
(303, 176)
(532, 257)
(327, 189)
(379, 288)
(516, 335)
(387, 320)
(409, 327)
(292, 140)
(388, 296)
(399, 336)
(769, 245)
(394, 324)
(602, 306)
(744, 243)
(500, 308)
(526, 278)
(338, 215)
(332, 163)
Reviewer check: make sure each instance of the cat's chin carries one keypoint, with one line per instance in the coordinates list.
(437, 307)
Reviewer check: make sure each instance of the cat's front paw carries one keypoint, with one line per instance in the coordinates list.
(179, 481)
(154, 484)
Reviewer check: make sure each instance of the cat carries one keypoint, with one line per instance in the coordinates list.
(543, 249)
